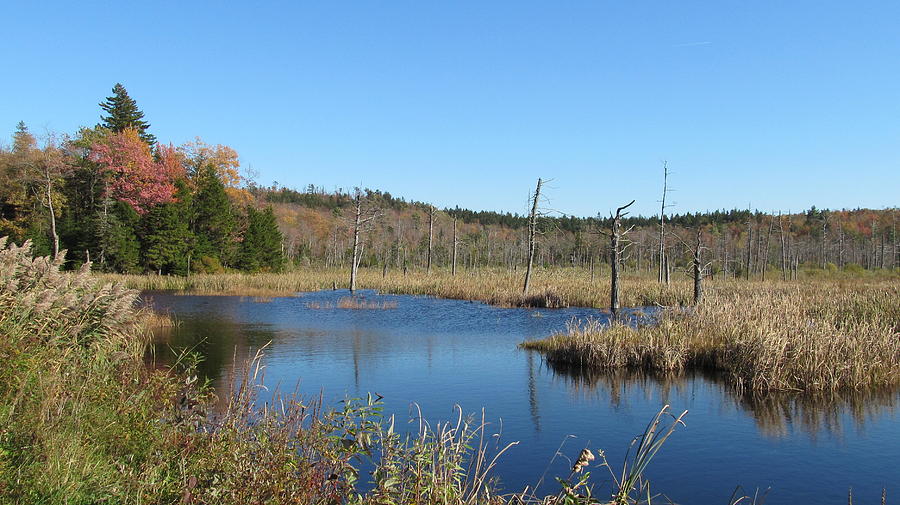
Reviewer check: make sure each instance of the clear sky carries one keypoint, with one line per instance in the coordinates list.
(777, 104)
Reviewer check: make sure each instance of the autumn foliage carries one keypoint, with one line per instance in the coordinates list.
(133, 175)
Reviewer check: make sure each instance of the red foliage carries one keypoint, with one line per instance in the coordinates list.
(135, 177)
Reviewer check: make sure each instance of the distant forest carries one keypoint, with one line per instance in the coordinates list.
(112, 195)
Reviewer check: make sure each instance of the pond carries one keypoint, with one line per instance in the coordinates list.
(439, 353)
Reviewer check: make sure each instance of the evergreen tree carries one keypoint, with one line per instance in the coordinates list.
(215, 223)
(124, 113)
(118, 241)
(261, 248)
(167, 240)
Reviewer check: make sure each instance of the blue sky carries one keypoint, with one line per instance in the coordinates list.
(780, 105)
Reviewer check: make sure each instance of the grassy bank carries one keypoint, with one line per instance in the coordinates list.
(804, 336)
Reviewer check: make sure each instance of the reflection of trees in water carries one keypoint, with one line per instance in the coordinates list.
(776, 414)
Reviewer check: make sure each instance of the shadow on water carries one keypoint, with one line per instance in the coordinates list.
(777, 414)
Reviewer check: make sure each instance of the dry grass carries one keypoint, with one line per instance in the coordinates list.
(354, 302)
(813, 336)
(552, 287)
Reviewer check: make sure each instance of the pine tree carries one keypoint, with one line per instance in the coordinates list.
(167, 240)
(118, 240)
(261, 247)
(215, 223)
(124, 113)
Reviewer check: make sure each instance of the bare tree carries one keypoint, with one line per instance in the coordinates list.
(663, 259)
(697, 266)
(784, 253)
(51, 167)
(455, 246)
(765, 265)
(431, 212)
(532, 235)
(364, 215)
(749, 259)
(615, 236)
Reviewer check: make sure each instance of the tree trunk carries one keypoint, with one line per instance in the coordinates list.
(841, 245)
(663, 274)
(765, 265)
(431, 211)
(749, 261)
(355, 265)
(52, 213)
(784, 253)
(614, 254)
(532, 231)
(455, 245)
(698, 270)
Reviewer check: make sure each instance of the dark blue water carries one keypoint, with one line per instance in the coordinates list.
(440, 353)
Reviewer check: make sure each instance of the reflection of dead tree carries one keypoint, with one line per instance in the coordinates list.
(615, 237)
(364, 215)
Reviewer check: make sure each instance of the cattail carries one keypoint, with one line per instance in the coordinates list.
(584, 459)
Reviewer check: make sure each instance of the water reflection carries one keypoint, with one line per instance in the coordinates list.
(778, 414)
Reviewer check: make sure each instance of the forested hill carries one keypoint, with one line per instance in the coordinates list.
(114, 195)
(316, 197)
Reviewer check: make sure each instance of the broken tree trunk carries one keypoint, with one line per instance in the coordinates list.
(614, 238)
(532, 232)
(455, 245)
(431, 211)
(698, 270)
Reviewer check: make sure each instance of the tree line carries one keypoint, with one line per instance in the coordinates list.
(113, 196)
(738, 243)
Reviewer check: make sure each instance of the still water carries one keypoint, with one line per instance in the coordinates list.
(440, 353)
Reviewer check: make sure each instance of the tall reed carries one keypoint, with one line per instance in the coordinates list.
(770, 337)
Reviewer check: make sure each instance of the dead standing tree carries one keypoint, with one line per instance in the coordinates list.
(698, 268)
(615, 251)
(364, 215)
(663, 258)
(455, 246)
(431, 212)
(532, 235)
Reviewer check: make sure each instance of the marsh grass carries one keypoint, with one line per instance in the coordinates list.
(355, 302)
(764, 337)
(352, 303)
(551, 287)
